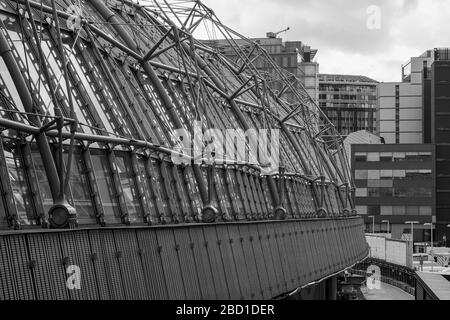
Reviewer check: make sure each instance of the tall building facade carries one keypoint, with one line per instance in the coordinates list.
(293, 56)
(414, 117)
(395, 183)
(440, 136)
(401, 112)
(350, 102)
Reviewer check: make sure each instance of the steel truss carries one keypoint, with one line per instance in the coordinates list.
(121, 77)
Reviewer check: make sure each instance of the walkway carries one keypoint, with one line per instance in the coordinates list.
(386, 292)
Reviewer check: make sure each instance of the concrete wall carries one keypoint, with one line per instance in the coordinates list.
(390, 250)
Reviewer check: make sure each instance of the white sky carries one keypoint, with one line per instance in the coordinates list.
(338, 29)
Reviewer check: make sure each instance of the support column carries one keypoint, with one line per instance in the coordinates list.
(331, 288)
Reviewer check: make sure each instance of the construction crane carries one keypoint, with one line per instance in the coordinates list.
(275, 34)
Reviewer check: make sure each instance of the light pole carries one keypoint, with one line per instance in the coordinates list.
(412, 223)
(373, 224)
(386, 221)
(431, 230)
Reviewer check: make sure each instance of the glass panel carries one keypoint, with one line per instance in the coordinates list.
(412, 210)
(361, 192)
(425, 210)
(19, 186)
(361, 209)
(386, 210)
(399, 210)
(373, 156)
(361, 174)
(44, 187)
(79, 186)
(373, 210)
(105, 185)
(124, 169)
(373, 174)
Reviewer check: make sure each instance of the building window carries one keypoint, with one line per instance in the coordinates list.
(106, 188)
(373, 210)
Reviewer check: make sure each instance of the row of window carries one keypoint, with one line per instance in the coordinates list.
(392, 156)
(375, 174)
(391, 192)
(395, 210)
(139, 187)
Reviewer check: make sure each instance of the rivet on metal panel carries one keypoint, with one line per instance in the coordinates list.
(119, 254)
(276, 235)
(231, 240)
(206, 243)
(94, 256)
(66, 261)
(283, 235)
(268, 236)
(32, 264)
(260, 237)
(241, 239)
(177, 247)
(159, 249)
(251, 238)
(219, 242)
(140, 251)
(192, 245)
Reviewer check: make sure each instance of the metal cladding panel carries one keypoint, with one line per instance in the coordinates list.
(292, 254)
(278, 263)
(20, 264)
(217, 265)
(49, 271)
(320, 255)
(231, 275)
(229, 261)
(304, 236)
(152, 265)
(202, 264)
(282, 243)
(239, 260)
(8, 290)
(300, 254)
(76, 251)
(344, 237)
(268, 260)
(98, 265)
(329, 249)
(189, 273)
(171, 265)
(260, 262)
(245, 239)
(295, 253)
(128, 255)
(102, 244)
(336, 249)
(89, 276)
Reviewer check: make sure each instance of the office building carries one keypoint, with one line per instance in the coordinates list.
(293, 56)
(401, 104)
(440, 136)
(395, 183)
(349, 102)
